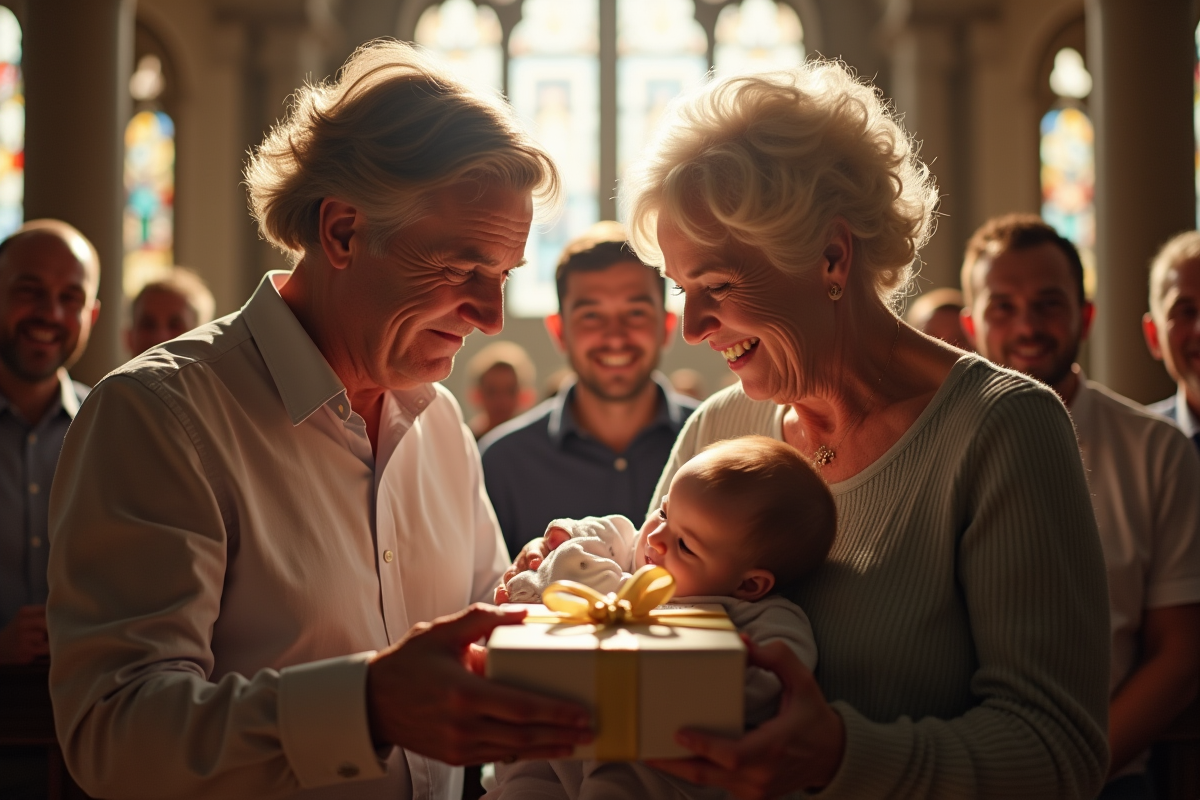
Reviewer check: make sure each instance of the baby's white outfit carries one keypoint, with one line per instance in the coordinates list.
(595, 540)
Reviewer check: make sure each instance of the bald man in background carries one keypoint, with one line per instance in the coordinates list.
(49, 273)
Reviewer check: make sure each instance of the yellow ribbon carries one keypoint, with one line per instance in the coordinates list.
(636, 603)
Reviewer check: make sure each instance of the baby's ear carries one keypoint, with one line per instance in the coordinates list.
(556, 536)
(755, 585)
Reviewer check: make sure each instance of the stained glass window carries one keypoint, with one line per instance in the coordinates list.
(149, 221)
(756, 36)
(554, 73)
(661, 52)
(466, 38)
(554, 87)
(12, 125)
(1068, 161)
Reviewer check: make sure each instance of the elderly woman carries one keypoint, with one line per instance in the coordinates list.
(961, 617)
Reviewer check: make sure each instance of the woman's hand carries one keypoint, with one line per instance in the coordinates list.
(800, 748)
(530, 557)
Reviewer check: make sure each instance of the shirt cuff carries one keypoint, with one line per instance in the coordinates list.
(867, 768)
(323, 722)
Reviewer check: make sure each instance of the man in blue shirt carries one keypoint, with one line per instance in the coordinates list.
(1172, 328)
(49, 274)
(599, 445)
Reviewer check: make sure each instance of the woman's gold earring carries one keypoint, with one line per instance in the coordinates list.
(835, 291)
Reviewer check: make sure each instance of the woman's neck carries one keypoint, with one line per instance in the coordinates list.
(879, 377)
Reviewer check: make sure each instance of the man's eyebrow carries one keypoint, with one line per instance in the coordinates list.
(473, 256)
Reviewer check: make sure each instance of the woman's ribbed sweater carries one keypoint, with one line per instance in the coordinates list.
(962, 615)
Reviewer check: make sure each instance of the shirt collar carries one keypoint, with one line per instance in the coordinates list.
(1184, 417)
(68, 398)
(67, 394)
(562, 421)
(1081, 404)
(302, 376)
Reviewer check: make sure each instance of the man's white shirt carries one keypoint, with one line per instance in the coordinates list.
(1143, 474)
(226, 554)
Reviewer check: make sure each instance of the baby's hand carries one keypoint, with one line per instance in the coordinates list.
(530, 558)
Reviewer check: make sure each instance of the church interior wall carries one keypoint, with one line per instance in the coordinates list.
(967, 76)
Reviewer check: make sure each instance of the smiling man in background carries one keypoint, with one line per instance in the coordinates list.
(599, 445)
(1172, 328)
(1026, 310)
(49, 274)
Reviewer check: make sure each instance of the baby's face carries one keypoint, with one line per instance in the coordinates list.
(698, 536)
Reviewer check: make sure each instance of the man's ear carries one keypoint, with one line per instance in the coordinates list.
(554, 326)
(755, 585)
(1088, 316)
(968, 326)
(336, 229)
(1150, 331)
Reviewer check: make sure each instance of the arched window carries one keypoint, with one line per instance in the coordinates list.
(149, 220)
(553, 83)
(466, 38)
(1068, 175)
(564, 56)
(756, 36)
(12, 125)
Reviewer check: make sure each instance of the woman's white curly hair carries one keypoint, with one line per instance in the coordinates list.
(777, 159)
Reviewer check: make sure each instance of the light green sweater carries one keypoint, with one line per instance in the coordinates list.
(962, 615)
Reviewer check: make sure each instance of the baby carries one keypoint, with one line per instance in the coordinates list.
(742, 522)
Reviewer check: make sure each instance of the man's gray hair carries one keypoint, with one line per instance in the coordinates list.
(392, 128)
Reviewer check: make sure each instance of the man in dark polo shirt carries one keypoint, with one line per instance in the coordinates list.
(599, 445)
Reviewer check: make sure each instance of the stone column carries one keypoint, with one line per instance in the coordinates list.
(77, 61)
(1141, 57)
(929, 45)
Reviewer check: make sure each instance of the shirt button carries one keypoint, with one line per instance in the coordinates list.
(36, 541)
(341, 409)
(347, 771)
(34, 488)
(388, 555)
(620, 465)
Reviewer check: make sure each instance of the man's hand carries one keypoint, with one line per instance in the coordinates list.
(24, 639)
(801, 748)
(530, 557)
(423, 694)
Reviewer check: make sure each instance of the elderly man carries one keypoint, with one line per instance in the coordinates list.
(260, 528)
(49, 274)
(1172, 328)
(166, 307)
(1026, 310)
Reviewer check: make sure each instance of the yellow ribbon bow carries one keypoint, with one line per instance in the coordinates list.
(637, 602)
(649, 588)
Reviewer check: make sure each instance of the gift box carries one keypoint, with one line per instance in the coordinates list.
(644, 670)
